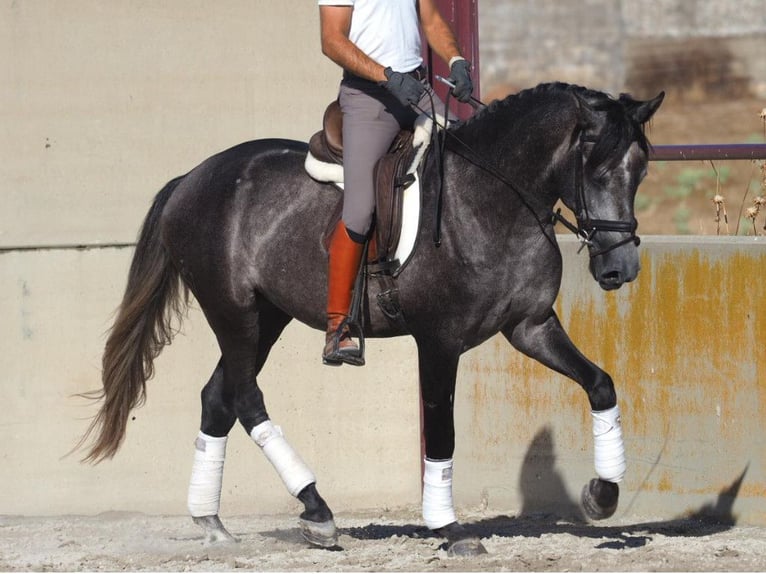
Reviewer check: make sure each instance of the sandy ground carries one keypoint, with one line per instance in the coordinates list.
(375, 541)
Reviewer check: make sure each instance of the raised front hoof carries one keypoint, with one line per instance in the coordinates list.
(459, 542)
(599, 498)
(322, 534)
(215, 533)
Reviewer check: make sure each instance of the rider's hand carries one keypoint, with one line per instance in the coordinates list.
(404, 87)
(460, 75)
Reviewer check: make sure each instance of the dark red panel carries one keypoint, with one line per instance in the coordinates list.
(463, 16)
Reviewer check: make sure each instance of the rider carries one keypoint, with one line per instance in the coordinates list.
(377, 43)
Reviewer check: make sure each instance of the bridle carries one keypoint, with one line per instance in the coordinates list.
(587, 227)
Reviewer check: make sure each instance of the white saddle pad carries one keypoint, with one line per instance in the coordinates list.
(333, 173)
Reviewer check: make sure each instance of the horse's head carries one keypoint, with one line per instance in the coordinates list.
(610, 154)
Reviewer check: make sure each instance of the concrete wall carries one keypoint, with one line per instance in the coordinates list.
(684, 345)
(101, 103)
(56, 307)
(640, 46)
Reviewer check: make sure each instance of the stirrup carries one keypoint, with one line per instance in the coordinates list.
(338, 356)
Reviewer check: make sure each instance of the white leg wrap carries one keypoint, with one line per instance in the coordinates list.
(207, 475)
(609, 450)
(438, 510)
(288, 464)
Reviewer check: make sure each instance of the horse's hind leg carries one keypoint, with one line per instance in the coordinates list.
(233, 394)
(210, 452)
(316, 521)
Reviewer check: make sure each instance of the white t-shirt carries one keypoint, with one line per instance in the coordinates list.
(386, 30)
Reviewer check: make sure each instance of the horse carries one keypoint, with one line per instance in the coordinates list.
(238, 229)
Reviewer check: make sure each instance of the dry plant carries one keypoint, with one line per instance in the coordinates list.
(720, 203)
(720, 209)
(759, 203)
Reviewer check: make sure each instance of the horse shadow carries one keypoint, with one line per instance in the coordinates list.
(543, 490)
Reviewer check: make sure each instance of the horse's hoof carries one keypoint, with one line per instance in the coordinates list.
(459, 543)
(599, 498)
(323, 534)
(466, 547)
(215, 533)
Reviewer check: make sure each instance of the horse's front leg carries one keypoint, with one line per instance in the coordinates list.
(438, 372)
(547, 342)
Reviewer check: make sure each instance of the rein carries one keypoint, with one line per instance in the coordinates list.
(476, 160)
(586, 227)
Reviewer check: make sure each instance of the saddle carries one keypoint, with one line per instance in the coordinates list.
(393, 174)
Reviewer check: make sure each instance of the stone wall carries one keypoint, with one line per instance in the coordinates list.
(710, 47)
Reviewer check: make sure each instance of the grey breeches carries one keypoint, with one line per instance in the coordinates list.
(371, 119)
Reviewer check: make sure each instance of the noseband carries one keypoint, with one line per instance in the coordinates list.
(587, 227)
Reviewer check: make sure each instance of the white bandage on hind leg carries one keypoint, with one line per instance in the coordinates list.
(438, 510)
(207, 475)
(609, 450)
(291, 469)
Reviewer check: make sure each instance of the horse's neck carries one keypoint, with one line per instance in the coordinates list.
(531, 169)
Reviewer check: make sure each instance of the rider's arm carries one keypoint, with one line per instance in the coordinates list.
(437, 31)
(335, 22)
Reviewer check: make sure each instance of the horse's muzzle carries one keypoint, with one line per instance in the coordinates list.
(612, 270)
(611, 280)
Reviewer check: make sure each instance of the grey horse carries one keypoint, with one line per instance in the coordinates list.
(245, 233)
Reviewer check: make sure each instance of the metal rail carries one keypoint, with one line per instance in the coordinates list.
(707, 152)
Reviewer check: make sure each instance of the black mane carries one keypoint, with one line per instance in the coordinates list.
(619, 131)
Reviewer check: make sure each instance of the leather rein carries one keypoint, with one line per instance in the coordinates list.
(586, 228)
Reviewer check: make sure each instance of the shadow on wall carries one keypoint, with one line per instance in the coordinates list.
(548, 509)
(543, 491)
(542, 487)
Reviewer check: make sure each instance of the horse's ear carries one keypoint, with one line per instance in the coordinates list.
(641, 111)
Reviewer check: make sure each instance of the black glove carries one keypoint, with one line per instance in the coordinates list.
(460, 75)
(404, 87)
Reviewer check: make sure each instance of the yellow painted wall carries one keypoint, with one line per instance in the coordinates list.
(686, 347)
